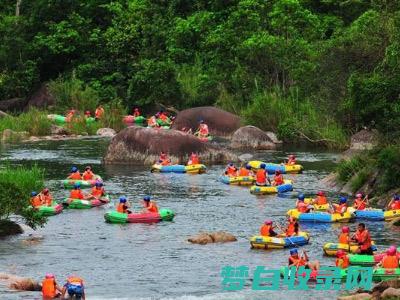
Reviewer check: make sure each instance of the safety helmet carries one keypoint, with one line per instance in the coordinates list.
(340, 253)
(263, 166)
(122, 199)
(359, 195)
(391, 251)
(230, 164)
(136, 109)
(268, 222)
(248, 167)
(74, 169)
(320, 193)
(293, 251)
(277, 172)
(33, 194)
(342, 199)
(87, 112)
(88, 168)
(301, 197)
(201, 121)
(49, 275)
(98, 184)
(45, 191)
(146, 198)
(345, 229)
(77, 185)
(396, 197)
(292, 156)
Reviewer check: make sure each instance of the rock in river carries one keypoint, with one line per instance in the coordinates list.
(212, 237)
(251, 137)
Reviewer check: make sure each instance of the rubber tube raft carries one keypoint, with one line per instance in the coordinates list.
(237, 180)
(320, 217)
(192, 169)
(323, 207)
(368, 260)
(84, 204)
(120, 218)
(270, 189)
(139, 120)
(46, 211)
(69, 183)
(279, 242)
(331, 249)
(166, 123)
(272, 168)
(375, 214)
(61, 120)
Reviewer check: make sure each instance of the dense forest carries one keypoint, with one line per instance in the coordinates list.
(322, 68)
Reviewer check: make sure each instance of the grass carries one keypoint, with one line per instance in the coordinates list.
(346, 169)
(294, 119)
(360, 179)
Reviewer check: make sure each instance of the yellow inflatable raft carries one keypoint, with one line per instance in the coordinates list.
(323, 207)
(271, 168)
(270, 189)
(237, 180)
(320, 217)
(279, 241)
(332, 248)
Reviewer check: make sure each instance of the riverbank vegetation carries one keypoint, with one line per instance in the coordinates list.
(16, 185)
(317, 69)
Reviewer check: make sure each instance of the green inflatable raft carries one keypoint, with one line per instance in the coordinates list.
(120, 218)
(69, 183)
(47, 211)
(60, 120)
(85, 204)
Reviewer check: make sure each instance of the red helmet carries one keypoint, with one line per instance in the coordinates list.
(320, 193)
(391, 251)
(268, 222)
(345, 229)
(136, 109)
(46, 191)
(359, 195)
(292, 156)
(340, 253)
(277, 172)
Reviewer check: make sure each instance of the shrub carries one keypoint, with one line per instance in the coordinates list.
(34, 121)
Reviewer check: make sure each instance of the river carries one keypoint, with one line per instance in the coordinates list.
(138, 261)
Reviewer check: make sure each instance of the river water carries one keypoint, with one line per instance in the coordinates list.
(138, 261)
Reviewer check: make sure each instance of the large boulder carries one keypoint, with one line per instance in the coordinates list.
(391, 293)
(20, 283)
(142, 146)
(362, 296)
(15, 104)
(362, 140)
(41, 98)
(9, 228)
(254, 138)
(109, 132)
(58, 130)
(212, 237)
(220, 122)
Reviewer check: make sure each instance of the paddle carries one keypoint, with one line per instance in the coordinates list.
(283, 231)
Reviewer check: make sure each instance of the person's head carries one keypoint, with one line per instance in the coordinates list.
(345, 229)
(122, 199)
(358, 195)
(320, 193)
(291, 219)
(74, 169)
(292, 156)
(146, 199)
(391, 251)
(263, 166)
(268, 222)
(88, 168)
(230, 165)
(157, 115)
(294, 252)
(87, 113)
(77, 186)
(248, 167)
(396, 198)
(33, 194)
(49, 276)
(340, 253)
(98, 184)
(46, 191)
(136, 109)
(342, 200)
(201, 121)
(277, 172)
(361, 226)
(300, 197)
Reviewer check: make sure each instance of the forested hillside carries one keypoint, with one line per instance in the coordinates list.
(320, 68)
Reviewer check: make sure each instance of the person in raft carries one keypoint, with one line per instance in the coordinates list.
(262, 176)
(123, 206)
(88, 174)
(301, 206)
(88, 114)
(394, 204)
(320, 199)
(193, 159)
(35, 200)
(245, 171)
(152, 121)
(136, 112)
(231, 170)
(163, 117)
(75, 174)
(291, 160)
(149, 206)
(50, 288)
(390, 260)
(73, 289)
(342, 259)
(344, 236)
(360, 203)
(293, 227)
(363, 239)
(297, 261)
(267, 229)
(99, 113)
(202, 131)
(76, 193)
(340, 208)
(45, 197)
(70, 114)
(97, 191)
(278, 178)
(164, 160)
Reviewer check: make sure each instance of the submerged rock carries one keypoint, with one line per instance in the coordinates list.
(9, 228)
(20, 283)
(212, 237)
(142, 146)
(219, 122)
(254, 138)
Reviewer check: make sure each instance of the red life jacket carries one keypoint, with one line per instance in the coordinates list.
(261, 176)
(364, 239)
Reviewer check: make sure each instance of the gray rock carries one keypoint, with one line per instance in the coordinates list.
(58, 130)
(391, 293)
(212, 237)
(14, 136)
(106, 132)
(251, 137)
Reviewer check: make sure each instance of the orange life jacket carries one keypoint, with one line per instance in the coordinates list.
(75, 280)
(121, 208)
(360, 204)
(76, 194)
(194, 160)
(49, 289)
(97, 192)
(291, 161)
(321, 200)
(99, 112)
(68, 117)
(261, 176)
(203, 129)
(341, 208)
(395, 205)
(343, 238)
(165, 162)
(152, 207)
(75, 176)
(36, 201)
(291, 229)
(343, 262)
(278, 179)
(390, 262)
(364, 239)
(297, 261)
(265, 230)
(163, 117)
(47, 199)
(231, 171)
(244, 172)
(302, 207)
(87, 175)
(152, 121)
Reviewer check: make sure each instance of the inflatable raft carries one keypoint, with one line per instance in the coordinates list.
(323, 207)
(164, 123)
(46, 211)
(119, 218)
(69, 183)
(272, 168)
(237, 180)
(374, 214)
(270, 189)
(368, 260)
(83, 204)
(192, 169)
(61, 120)
(140, 120)
(320, 217)
(279, 242)
(314, 274)
(331, 249)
